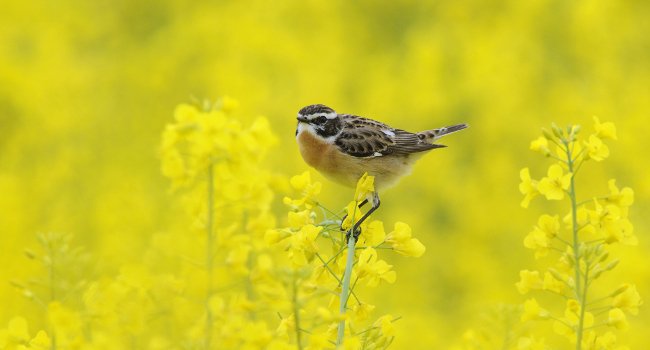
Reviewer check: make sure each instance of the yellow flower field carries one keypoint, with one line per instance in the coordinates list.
(152, 195)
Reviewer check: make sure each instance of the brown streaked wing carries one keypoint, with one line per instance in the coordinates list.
(363, 141)
(363, 137)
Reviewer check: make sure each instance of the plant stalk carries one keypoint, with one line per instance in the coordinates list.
(345, 288)
(580, 296)
(209, 257)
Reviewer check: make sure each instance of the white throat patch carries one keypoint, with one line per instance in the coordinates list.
(306, 127)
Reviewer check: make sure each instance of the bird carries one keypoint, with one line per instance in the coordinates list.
(343, 147)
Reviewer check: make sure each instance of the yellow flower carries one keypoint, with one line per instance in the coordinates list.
(300, 182)
(185, 113)
(173, 166)
(595, 341)
(540, 145)
(554, 185)
(401, 241)
(372, 269)
(571, 320)
(351, 343)
(596, 149)
(413, 247)
(307, 189)
(537, 241)
(550, 225)
(622, 198)
(362, 311)
(385, 324)
(16, 336)
(552, 284)
(532, 311)
(400, 233)
(299, 219)
(17, 330)
(612, 224)
(318, 341)
(617, 319)
(540, 238)
(628, 300)
(41, 341)
(605, 130)
(374, 234)
(302, 244)
(528, 280)
(365, 188)
(527, 187)
(275, 236)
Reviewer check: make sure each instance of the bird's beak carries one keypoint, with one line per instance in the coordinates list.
(302, 119)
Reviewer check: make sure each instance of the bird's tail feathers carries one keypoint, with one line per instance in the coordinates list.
(435, 134)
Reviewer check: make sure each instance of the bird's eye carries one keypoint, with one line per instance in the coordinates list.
(320, 120)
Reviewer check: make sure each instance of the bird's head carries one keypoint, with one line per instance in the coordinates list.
(319, 119)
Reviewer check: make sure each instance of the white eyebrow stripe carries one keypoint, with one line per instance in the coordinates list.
(326, 115)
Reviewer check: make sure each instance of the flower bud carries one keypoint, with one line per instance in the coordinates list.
(604, 256)
(612, 265)
(547, 134)
(597, 272)
(556, 130)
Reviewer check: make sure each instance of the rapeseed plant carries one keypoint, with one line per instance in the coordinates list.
(324, 277)
(581, 239)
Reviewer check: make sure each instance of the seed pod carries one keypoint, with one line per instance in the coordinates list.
(556, 130)
(620, 290)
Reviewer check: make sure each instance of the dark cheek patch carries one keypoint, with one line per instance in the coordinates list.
(330, 128)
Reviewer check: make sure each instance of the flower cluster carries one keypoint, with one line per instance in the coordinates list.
(580, 238)
(314, 245)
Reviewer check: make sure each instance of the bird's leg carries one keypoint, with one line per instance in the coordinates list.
(363, 202)
(355, 228)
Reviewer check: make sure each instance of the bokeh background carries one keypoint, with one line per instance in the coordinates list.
(87, 87)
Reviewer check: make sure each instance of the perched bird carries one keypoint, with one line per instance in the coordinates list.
(343, 147)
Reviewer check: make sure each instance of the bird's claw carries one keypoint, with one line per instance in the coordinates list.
(357, 233)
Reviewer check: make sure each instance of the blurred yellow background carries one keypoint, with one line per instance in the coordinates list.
(87, 87)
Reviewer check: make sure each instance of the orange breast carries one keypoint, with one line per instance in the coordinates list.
(312, 148)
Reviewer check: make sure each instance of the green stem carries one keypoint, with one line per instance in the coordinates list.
(576, 243)
(329, 269)
(296, 312)
(209, 257)
(583, 304)
(52, 273)
(346, 287)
